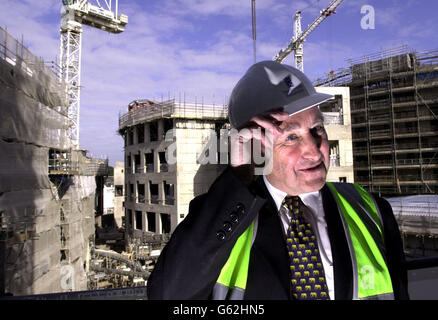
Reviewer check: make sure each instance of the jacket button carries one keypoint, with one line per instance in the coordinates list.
(227, 226)
(240, 208)
(234, 218)
(220, 235)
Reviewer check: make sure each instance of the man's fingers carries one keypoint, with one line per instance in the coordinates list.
(262, 128)
(280, 116)
(254, 133)
(268, 124)
(271, 120)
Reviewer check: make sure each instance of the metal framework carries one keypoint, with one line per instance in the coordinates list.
(74, 14)
(71, 74)
(394, 114)
(296, 43)
(254, 28)
(299, 63)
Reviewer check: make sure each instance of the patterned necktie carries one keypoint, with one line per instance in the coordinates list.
(307, 273)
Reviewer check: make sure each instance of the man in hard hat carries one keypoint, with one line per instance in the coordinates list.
(285, 234)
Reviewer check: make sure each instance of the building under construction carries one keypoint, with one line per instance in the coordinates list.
(49, 191)
(158, 192)
(394, 107)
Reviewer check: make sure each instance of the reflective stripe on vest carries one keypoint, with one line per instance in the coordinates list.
(231, 283)
(363, 229)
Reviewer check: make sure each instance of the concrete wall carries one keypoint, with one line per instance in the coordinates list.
(108, 199)
(342, 134)
(144, 177)
(119, 180)
(193, 178)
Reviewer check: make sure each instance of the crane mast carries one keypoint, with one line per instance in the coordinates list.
(74, 14)
(299, 50)
(296, 43)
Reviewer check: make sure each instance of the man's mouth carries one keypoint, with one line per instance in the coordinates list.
(313, 168)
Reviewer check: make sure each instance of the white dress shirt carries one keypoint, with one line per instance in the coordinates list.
(315, 215)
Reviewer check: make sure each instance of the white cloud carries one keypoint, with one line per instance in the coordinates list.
(28, 22)
(208, 7)
(199, 48)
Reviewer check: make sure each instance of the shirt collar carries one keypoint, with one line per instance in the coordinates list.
(308, 198)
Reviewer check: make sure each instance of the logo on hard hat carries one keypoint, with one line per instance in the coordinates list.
(286, 76)
(290, 84)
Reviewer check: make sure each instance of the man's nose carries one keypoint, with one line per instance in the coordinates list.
(311, 147)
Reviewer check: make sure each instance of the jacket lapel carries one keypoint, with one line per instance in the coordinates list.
(342, 266)
(268, 276)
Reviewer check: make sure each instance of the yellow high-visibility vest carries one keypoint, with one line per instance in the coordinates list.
(363, 229)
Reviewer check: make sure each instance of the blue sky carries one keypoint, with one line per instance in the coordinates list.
(202, 47)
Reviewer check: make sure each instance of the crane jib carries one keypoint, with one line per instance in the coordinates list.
(300, 37)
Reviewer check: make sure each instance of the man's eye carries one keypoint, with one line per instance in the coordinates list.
(291, 137)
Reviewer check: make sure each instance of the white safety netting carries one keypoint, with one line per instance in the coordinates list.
(416, 214)
(86, 185)
(23, 166)
(33, 106)
(44, 219)
(418, 205)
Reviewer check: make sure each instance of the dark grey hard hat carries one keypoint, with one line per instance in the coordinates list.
(269, 85)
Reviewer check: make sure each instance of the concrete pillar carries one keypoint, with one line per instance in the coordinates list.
(147, 133)
(158, 223)
(156, 162)
(129, 220)
(130, 136)
(136, 192)
(135, 135)
(142, 160)
(146, 222)
(160, 129)
(161, 195)
(144, 131)
(143, 220)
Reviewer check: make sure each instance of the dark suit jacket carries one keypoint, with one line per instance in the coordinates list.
(191, 262)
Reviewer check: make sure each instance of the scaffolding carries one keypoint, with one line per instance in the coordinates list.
(147, 110)
(110, 269)
(394, 107)
(417, 217)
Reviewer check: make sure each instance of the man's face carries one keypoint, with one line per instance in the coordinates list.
(300, 154)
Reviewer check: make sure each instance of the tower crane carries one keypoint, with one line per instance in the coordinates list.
(74, 14)
(296, 43)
